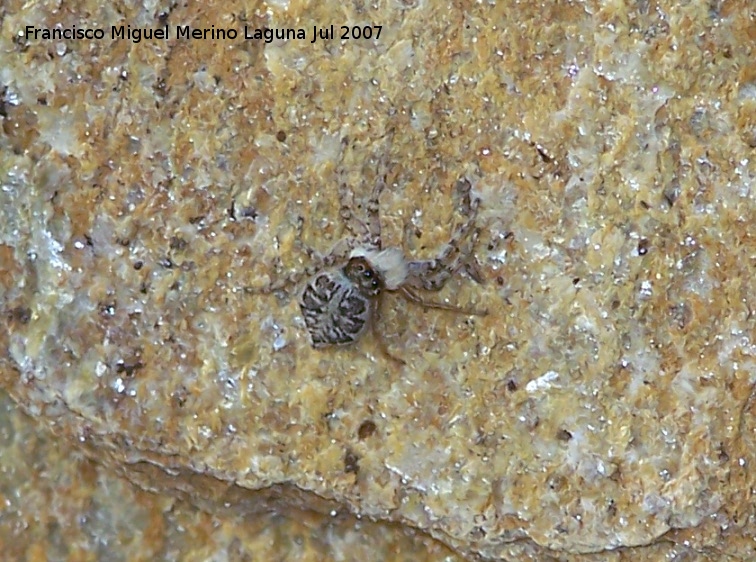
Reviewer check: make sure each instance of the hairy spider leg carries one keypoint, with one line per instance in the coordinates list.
(374, 205)
(354, 225)
(368, 232)
(413, 297)
(431, 275)
(340, 252)
(373, 237)
(289, 281)
(378, 336)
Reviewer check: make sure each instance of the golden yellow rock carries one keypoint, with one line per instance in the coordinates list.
(150, 187)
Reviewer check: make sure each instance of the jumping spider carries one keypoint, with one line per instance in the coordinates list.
(342, 296)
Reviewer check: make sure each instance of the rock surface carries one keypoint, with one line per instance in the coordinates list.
(605, 402)
(60, 506)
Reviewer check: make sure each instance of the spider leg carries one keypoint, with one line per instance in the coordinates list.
(413, 297)
(346, 203)
(368, 232)
(469, 209)
(378, 336)
(289, 281)
(374, 206)
(338, 253)
(472, 268)
(431, 275)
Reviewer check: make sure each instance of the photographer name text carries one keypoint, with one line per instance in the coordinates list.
(138, 34)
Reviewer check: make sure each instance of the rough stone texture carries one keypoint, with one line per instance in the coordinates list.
(57, 505)
(606, 402)
(61, 506)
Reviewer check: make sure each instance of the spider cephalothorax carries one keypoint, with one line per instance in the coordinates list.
(342, 296)
(364, 276)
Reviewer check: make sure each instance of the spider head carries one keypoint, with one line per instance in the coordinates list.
(360, 272)
(389, 265)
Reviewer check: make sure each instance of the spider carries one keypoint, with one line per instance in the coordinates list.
(342, 297)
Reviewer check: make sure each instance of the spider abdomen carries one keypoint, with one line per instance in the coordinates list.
(334, 311)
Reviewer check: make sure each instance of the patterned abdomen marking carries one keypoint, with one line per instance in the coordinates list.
(334, 312)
